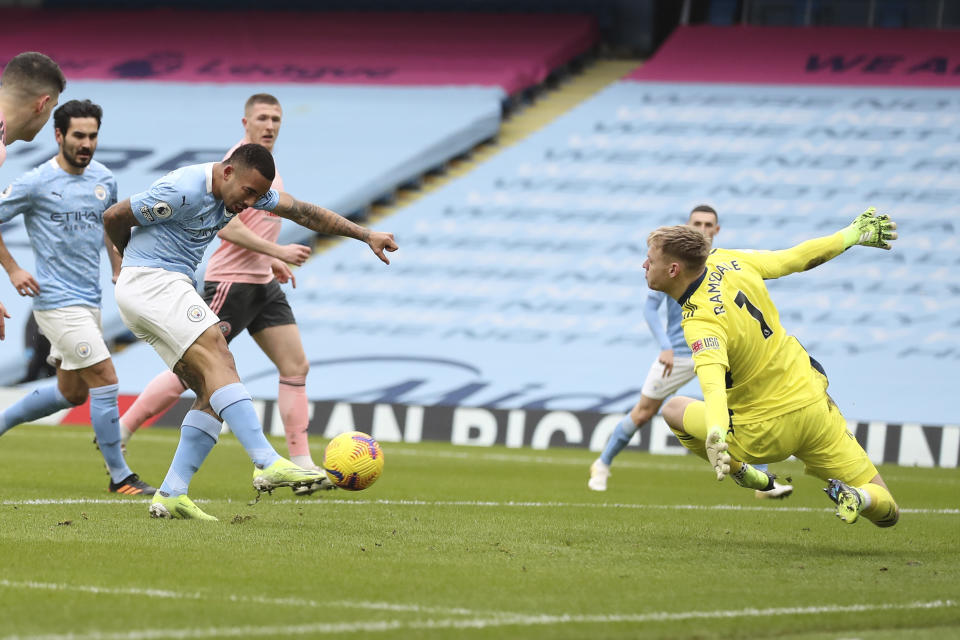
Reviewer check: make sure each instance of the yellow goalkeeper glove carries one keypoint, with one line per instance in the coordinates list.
(870, 231)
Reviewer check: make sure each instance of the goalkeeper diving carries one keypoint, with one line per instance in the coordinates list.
(765, 398)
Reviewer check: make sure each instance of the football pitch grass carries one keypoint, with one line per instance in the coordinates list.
(458, 542)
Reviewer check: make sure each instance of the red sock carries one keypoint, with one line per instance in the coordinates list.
(294, 411)
(158, 396)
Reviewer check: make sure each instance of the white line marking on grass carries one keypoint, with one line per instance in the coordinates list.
(196, 595)
(40, 501)
(591, 505)
(485, 503)
(520, 456)
(515, 620)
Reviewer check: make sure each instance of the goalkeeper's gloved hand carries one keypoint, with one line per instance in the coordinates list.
(870, 231)
(716, 449)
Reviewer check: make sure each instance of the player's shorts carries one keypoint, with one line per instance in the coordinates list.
(656, 387)
(253, 307)
(816, 434)
(163, 309)
(75, 335)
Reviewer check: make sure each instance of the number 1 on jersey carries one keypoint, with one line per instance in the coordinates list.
(742, 301)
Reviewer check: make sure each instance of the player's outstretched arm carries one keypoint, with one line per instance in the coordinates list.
(867, 229)
(118, 220)
(321, 220)
(242, 236)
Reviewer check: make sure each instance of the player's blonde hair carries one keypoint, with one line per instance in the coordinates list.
(687, 244)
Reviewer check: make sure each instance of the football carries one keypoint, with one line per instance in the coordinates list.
(353, 460)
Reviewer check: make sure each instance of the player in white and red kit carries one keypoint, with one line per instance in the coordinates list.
(29, 90)
(242, 286)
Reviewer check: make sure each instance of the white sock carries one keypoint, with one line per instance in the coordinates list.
(125, 434)
(304, 462)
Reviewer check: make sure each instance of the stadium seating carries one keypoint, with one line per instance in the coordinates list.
(521, 285)
(369, 104)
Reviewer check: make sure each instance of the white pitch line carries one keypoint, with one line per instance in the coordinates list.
(890, 472)
(196, 595)
(485, 504)
(519, 456)
(518, 620)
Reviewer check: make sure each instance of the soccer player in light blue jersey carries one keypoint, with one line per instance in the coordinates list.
(29, 90)
(162, 233)
(62, 202)
(672, 369)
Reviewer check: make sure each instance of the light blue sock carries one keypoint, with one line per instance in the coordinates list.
(105, 417)
(618, 439)
(198, 433)
(233, 404)
(36, 404)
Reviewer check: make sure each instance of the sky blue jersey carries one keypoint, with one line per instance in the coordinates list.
(63, 214)
(179, 217)
(672, 337)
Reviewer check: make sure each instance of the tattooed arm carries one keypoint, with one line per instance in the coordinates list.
(321, 220)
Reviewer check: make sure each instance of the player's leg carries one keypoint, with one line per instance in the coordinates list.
(831, 452)
(219, 385)
(100, 381)
(687, 418)
(45, 400)
(275, 331)
(283, 346)
(157, 397)
(199, 432)
(640, 414)
(656, 387)
(37, 404)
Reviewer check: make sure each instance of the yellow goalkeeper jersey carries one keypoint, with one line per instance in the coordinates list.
(729, 319)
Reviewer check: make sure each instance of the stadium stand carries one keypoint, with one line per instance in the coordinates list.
(517, 285)
(369, 106)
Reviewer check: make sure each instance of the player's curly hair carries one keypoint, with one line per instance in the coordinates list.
(253, 156)
(687, 244)
(33, 74)
(75, 109)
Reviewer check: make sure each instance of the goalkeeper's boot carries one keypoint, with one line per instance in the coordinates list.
(181, 507)
(132, 485)
(717, 455)
(284, 473)
(599, 472)
(323, 484)
(847, 499)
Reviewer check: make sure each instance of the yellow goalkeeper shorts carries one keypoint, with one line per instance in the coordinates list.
(816, 434)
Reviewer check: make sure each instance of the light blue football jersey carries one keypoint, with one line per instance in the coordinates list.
(63, 214)
(179, 217)
(674, 331)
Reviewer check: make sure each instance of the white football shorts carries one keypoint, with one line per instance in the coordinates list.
(163, 309)
(75, 335)
(657, 387)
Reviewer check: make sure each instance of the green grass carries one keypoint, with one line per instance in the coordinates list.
(466, 543)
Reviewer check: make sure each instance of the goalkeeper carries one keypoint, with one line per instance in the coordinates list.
(765, 398)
